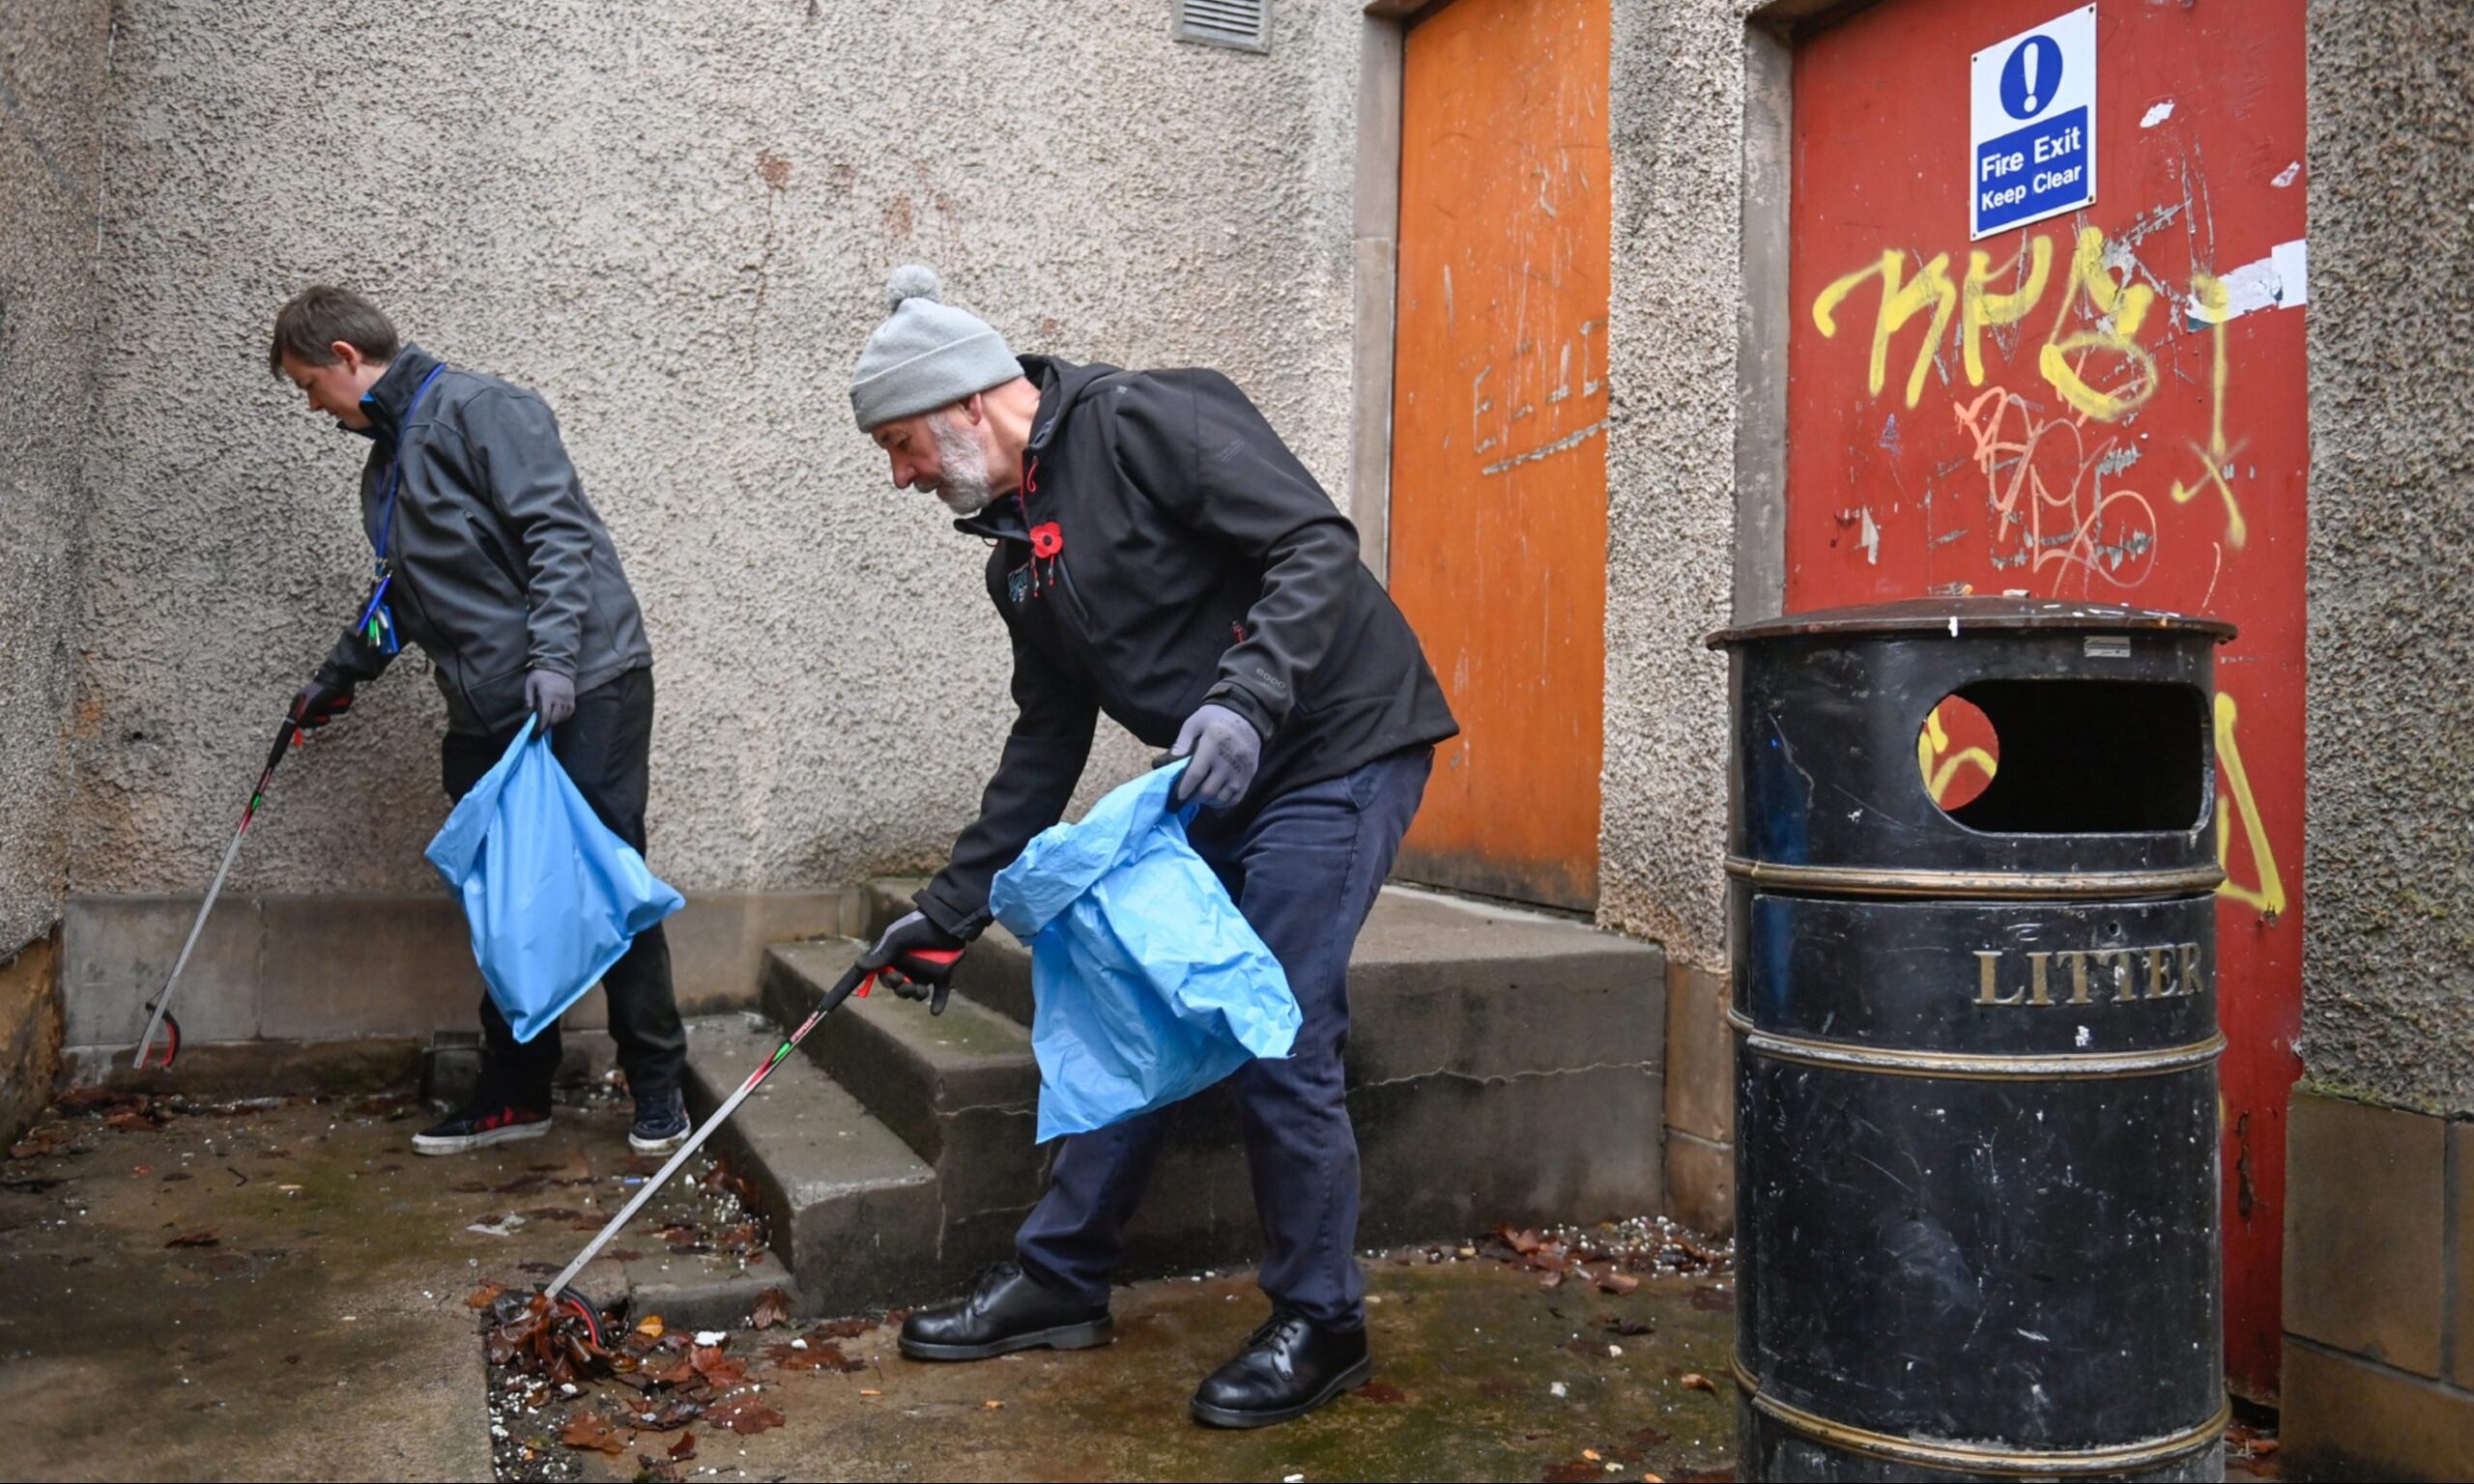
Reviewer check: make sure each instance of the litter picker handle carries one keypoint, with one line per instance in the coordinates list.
(161, 1004)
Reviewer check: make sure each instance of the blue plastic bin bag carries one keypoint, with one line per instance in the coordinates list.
(553, 897)
(1150, 986)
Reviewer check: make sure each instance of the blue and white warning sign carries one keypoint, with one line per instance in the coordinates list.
(2031, 125)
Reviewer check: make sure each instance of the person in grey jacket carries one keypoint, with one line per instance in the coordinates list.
(491, 559)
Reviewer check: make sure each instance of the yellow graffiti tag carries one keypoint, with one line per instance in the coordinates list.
(1985, 309)
(2269, 897)
(1901, 301)
(2099, 315)
(1941, 772)
(2212, 297)
(2120, 309)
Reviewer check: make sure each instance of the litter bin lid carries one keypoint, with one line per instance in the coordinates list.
(1954, 617)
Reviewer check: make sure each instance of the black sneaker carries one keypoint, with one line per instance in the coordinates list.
(1008, 1311)
(661, 1123)
(479, 1126)
(1289, 1367)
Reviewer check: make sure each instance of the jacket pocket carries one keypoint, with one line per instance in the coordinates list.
(495, 553)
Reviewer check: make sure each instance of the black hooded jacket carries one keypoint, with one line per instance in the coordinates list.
(1167, 549)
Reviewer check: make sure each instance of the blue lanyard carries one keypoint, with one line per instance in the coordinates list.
(396, 469)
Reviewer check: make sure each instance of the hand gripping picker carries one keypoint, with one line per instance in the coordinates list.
(161, 1004)
(856, 982)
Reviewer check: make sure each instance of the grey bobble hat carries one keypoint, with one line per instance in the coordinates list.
(926, 355)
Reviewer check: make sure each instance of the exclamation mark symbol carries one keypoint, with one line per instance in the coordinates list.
(2028, 56)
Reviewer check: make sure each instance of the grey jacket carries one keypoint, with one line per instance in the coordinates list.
(500, 565)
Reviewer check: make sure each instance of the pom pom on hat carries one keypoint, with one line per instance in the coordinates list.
(912, 281)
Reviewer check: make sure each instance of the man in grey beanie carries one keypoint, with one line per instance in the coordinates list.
(1159, 555)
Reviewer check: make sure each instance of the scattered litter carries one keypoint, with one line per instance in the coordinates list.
(713, 1336)
(1559, 1391)
(503, 1226)
(1694, 1381)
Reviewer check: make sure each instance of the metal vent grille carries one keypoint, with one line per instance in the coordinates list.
(1242, 24)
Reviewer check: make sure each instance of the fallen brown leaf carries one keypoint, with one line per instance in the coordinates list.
(650, 1326)
(1618, 1283)
(772, 1310)
(992, 1405)
(745, 1414)
(842, 1329)
(591, 1432)
(485, 1296)
(719, 1369)
(683, 1450)
(1628, 1326)
(195, 1240)
(1694, 1381)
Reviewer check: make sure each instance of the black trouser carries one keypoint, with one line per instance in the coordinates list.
(606, 748)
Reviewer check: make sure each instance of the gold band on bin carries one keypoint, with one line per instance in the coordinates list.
(1961, 1458)
(2042, 885)
(2042, 1066)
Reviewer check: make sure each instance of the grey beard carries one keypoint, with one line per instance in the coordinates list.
(963, 486)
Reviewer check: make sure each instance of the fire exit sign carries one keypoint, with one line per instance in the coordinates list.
(2031, 125)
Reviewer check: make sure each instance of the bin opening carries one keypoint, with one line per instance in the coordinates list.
(2069, 757)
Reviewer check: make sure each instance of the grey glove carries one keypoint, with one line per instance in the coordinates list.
(551, 695)
(1225, 749)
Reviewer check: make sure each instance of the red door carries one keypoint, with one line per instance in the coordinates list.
(2106, 405)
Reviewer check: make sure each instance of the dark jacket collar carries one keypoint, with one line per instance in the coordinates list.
(390, 397)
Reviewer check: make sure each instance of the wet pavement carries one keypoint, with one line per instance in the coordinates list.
(1480, 1374)
(279, 1292)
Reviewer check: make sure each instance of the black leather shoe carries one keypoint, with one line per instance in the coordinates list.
(1007, 1312)
(1288, 1368)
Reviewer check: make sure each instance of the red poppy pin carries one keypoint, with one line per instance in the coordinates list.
(1046, 541)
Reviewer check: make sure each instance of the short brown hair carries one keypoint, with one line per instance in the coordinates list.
(311, 321)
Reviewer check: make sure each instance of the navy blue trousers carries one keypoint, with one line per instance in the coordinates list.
(1303, 867)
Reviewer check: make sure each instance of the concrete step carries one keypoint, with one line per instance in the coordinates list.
(960, 1088)
(852, 1210)
(1503, 1064)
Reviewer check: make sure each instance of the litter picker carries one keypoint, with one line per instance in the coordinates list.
(856, 982)
(161, 1004)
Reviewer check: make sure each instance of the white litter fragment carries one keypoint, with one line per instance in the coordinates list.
(798, 1344)
(1558, 1389)
(711, 1337)
(503, 1226)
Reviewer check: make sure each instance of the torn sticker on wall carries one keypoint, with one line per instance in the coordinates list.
(2280, 280)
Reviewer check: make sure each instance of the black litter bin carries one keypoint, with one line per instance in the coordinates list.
(1975, 1054)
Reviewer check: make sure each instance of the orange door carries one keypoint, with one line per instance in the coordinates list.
(1498, 515)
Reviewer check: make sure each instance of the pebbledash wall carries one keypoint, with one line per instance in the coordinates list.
(2379, 1232)
(676, 221)
(52, 60)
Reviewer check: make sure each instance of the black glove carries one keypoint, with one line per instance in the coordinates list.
(551, 695)
(901, 959)
(1225, 749)
(319, 702)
